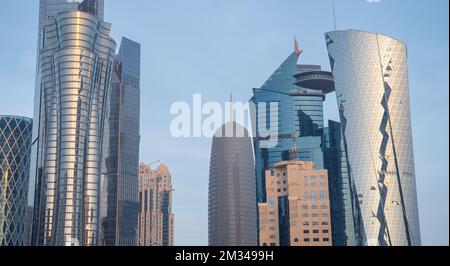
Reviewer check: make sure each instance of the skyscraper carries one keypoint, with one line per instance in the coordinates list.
(15, 148)
(297, 211)
(75, 66)
(371, 80)
(232, 207)
(156, 220)
(120, 176)
(299, 91)
(340, 186)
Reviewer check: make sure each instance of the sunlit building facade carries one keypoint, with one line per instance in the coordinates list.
(75, 65)
(156, 220)
(15, 149)
(297, 211)
(371, 79)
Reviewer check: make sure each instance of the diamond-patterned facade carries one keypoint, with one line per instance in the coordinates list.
(15, 144)
(371, 80)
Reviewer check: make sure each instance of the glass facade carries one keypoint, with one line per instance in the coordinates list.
(300, 111)
(120, 179)
(371, 80)
(15, 148)
(75, 66)
(232, 206)
(340, 187)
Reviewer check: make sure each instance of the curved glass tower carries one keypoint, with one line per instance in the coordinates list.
(371, 80)
(75, 64)
(232, 219)
(15, 148)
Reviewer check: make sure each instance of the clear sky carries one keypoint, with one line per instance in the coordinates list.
(215, 47)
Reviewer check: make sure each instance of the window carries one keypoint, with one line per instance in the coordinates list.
(305, 223)
(305, 215)
(316, 239)
(315, 215)
(324, 215)
(305, 231)
(315, 223)
(324, 223)
(322, 177)
(326, 239)
(295, 239)
(314, 207)
(324, 207)
(315, 231)
(323, 195)
(325, 231)
(313, 195)
(305, 207)
(306, 239)
(313, 177)
(322, 185)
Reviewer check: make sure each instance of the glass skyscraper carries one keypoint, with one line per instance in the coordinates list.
(15, 148)
(340, 186)
(75, 65)
(232, 206)
(120, 178)
(371, 80)
(299, 91)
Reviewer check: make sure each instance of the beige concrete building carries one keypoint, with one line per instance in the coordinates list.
(297, 211)
(156, 219)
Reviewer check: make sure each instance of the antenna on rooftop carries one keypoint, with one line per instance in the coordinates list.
(334, 16)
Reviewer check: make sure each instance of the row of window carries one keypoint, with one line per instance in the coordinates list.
(325, 231)
(325, 239)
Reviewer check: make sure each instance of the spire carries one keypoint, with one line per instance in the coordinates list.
(297, 50)
(334, 16)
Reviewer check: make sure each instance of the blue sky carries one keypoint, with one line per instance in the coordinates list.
(215, 47)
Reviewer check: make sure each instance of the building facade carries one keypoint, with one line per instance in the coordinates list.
(297, 211)
(371, 80)
(298, 92)
(75, 66)
(340, 187)
(232, 208)
(120, 176)
(156, 220)
(15, 149)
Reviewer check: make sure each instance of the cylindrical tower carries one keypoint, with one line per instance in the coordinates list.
(75, 71)
(371, 80)
(232, 214)
(15, 149)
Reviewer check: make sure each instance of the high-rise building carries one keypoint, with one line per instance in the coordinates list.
(15, 148)
(371, 79)
(299, 91)
(75, 65)
(340, 186)
(297, 211)
(120, 176)
(232, 207)
(156, 220)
